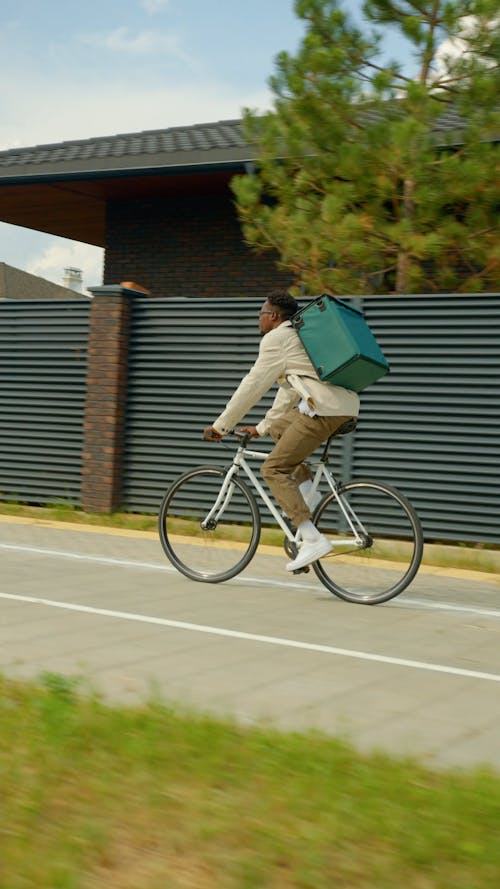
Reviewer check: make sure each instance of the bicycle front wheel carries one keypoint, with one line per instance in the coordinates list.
(387, 556)
(218, 550)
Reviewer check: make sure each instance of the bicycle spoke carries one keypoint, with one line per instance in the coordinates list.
(388, 555)
(204, 543)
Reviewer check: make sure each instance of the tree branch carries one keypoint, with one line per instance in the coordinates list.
(384, 70)
(423, 12)
(446, 89)
(484, 231)
(429, 48)
(462, 77)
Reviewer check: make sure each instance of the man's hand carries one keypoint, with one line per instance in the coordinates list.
(211, 434)
(250, 430)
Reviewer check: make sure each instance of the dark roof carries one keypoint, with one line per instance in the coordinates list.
(199, 144)
(64, 189)
(18, 284)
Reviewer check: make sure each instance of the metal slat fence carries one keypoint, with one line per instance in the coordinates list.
(431, 427)
(43, 367)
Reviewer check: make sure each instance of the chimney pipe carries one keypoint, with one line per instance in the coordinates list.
(73, 279)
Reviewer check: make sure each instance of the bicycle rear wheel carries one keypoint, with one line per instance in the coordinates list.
(386, 560)
(222, 550)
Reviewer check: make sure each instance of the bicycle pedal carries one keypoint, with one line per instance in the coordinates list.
(304, 570)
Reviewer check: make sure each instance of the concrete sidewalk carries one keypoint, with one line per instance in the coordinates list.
(419, 675)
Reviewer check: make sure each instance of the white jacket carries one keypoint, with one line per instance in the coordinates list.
(283, 360)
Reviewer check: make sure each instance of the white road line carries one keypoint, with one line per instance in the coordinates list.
(84, 557)
(254, 637)
(244, 580)
(424, 604)
(132, 563)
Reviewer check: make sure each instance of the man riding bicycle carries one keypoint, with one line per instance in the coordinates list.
(305, 412)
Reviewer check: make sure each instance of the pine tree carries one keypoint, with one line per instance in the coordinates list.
(359, 185)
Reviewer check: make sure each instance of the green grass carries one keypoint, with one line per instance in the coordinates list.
(101, 797)
(474, 557)
(64, 512)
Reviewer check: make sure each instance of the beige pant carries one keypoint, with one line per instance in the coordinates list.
(297, 436)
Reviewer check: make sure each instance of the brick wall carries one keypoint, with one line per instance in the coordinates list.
(105, 406)
(185, 246)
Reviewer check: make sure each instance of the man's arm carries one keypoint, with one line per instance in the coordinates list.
(266, 370)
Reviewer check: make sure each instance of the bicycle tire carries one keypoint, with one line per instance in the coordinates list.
(394, 543)
(214, 555)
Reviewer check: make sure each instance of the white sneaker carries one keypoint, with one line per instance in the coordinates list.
(310, 552)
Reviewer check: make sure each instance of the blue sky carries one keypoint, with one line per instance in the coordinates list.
(77, 70)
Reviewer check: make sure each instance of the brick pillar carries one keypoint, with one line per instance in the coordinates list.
(104, 418)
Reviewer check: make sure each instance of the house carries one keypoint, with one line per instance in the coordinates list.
(159, 203)
(16, 284)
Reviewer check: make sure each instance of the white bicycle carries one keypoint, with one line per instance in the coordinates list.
(210, 527)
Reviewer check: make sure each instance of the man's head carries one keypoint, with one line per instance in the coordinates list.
(278, 307)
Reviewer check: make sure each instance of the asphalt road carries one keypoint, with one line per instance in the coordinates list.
(417, 676)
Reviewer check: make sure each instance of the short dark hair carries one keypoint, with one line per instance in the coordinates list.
(283, 302)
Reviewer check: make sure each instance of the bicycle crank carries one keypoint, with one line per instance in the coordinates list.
(292, 552)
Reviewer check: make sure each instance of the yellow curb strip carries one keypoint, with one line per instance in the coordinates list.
(456, 573)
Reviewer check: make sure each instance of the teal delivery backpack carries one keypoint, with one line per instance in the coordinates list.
(340, 343)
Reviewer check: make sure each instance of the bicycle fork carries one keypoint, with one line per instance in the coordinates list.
(223, 500)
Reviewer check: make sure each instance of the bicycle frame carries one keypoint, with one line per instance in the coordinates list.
(227, 488)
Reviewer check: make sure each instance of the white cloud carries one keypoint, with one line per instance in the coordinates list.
(60, 254)
(147, 42)
(455, 47)
(154, 6)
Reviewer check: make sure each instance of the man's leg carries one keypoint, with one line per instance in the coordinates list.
(303, 472)
(297, 436)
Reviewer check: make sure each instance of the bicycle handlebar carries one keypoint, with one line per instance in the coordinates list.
(243, 437)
